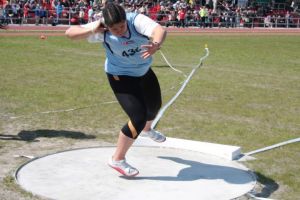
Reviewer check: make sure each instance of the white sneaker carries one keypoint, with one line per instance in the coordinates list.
(154, 135)
(123, 167)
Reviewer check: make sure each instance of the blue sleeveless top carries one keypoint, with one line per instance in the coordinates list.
(123, 54)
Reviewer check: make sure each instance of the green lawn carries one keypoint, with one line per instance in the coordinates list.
(246, 94)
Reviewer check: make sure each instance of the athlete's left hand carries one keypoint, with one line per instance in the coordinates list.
(149, 49)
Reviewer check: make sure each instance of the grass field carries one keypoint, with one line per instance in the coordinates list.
(246, 94)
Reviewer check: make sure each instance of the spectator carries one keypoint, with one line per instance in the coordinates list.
(44, 15)
(196, 18)
(181, 17)
(82, 4)
(287, 19)
(81, 16)
(37, 15)
(59, 9)
(209, 19)
(237, 18)
(161, 14)
(172, 20)
(73, 12)
(25, 12)
(2, 18)
(65, 3)
(267, 21)
(90, 14)
(15, 10)
(19, 13)
(8, 13)
(214, 6)
(143, 10)
(176, 5)
(203, 15)
(292, 6)
(188, 17)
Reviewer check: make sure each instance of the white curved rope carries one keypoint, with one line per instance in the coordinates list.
(161, 112)
(272, 146)
(176, 70)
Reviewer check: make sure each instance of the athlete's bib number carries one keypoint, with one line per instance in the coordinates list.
(131, 52)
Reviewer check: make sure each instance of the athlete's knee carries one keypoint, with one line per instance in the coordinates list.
(134, 127)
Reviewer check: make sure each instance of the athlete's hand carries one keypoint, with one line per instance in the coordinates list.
(99, 26)
(150, 49)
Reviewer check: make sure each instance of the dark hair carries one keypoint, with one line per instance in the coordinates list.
(113, 14)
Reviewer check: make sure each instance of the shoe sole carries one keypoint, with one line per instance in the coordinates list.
(122, 172)
(159, 141)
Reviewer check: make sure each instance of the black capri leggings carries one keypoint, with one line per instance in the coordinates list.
(140, 98)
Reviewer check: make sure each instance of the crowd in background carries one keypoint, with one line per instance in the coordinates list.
(177, 13)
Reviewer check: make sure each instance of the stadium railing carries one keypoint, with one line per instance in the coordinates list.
(72, 18)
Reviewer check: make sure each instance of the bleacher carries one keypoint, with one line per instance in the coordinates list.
(279, 8)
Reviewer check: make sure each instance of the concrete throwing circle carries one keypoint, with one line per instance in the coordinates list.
(165, 173)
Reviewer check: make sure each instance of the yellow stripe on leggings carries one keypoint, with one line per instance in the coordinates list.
(132, 129)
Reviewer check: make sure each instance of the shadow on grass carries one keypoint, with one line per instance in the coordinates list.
(269, 186)
(31, 136)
